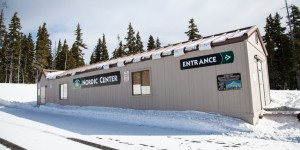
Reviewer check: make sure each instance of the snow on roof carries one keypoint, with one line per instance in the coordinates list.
(53, 75)
(176, 50)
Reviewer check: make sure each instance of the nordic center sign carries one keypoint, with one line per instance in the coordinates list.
(207, 60)
(97, 80)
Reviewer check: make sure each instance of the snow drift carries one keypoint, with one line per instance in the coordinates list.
(183, 120)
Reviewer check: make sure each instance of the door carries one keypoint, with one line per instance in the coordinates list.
(43, 95)
(261, 84)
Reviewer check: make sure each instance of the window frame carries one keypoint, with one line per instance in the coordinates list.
(140, 71)
(63, 93)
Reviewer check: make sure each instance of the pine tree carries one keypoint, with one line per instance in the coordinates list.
(286, 64)
(77, 48)
(6, 57)
(151, 43)
(2, 29)
(92, 58)
(29, 55)
(295, 23)
(273, 72)
(281, 64)
(158, 44)
(13, 48)
(69, 58)
(139, 43)
(119, 51)
(56, 59)
(104, 52)
(130, 45)
(63, 58)
(95, 57)
(2, 50)
(43, 57)
(193, 32)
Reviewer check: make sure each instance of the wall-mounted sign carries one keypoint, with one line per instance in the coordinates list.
(229, 82)
(207, 60)
(97, 80)
(126, 76)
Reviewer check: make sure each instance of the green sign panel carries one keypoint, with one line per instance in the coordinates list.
(227, 57)
(207, 60)
(111, 78)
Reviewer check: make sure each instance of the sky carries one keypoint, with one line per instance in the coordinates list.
(165, 19)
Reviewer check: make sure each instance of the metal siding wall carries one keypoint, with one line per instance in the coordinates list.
(203, 86)
(256, 49)
(235, 101)
(157, 85)
(171, 88)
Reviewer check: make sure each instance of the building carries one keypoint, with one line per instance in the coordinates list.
(224, 73)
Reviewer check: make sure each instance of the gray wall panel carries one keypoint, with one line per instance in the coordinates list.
(171, 88)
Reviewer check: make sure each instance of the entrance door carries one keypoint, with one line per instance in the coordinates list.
(43, 95)
(261, 84)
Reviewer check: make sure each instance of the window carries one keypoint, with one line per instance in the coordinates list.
(141, 83)
(63, 91)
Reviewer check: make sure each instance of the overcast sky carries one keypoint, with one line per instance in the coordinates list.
(166, 19)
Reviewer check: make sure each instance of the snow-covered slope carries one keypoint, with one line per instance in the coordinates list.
(180, 129)
(288, 98)
(18, 92)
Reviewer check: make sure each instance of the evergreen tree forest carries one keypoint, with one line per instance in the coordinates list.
(283, 47)
(22, 60)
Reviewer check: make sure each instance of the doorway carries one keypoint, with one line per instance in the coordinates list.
(261, 84)
(43, 95)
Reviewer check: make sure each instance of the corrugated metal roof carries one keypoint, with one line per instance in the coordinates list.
(178, 49)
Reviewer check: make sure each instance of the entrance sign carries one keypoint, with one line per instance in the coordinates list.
(207, 60)
(97, 80)
(229, 82)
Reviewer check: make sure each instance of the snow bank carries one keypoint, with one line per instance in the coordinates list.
(18, 92)
(24, 96)
(182, 120)
(288, 98)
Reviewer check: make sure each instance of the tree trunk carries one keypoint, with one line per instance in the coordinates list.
(298, 78)
(11, 72)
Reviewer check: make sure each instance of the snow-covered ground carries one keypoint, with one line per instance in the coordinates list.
(50, 126)
(289, 98)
